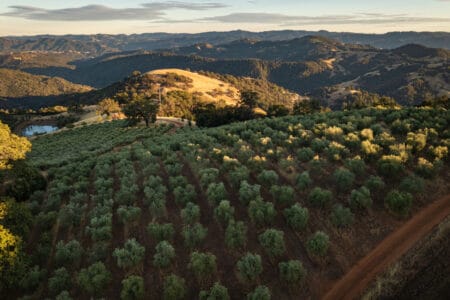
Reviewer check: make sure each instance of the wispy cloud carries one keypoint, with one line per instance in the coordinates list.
(291, 20)
(147, 11)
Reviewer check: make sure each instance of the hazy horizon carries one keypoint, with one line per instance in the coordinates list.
(25, 17)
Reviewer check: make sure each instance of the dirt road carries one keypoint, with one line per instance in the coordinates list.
(389, 250)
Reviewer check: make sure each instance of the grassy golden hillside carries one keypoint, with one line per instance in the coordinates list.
(17, 84)
(210, 89)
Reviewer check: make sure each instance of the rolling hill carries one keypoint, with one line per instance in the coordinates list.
(18, 84)
(409, 74)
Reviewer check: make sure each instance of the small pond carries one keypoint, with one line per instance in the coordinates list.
(38, 129)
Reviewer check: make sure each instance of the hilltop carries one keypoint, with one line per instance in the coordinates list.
(17, 84)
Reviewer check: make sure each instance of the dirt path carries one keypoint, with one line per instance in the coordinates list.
(391, 249)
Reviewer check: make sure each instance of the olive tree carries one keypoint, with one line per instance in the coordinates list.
(190, 214)
(164, 255)
(261, 212)
(69, 253)
(284, 195)
(130, 255)
(268, 178)
(272, 241)
(133, 288)
(224, 212)
(236, 235)
(297, 217)
(344, 179)
(303, 181)
(341, 216)
(249, 192)
(320, 197)
(291, 272)
(216, 192)
(174, 288)
(217, 292)
(249, 267)
(261, 292)
(194, 234)
(161, 232)
(399, 202)
(94, 279)
(360, 199)
(318, 244)
(203, 265)
(60, 281)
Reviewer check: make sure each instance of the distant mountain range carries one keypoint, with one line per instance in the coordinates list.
(314, 66)
(94, 45)
(306, 66)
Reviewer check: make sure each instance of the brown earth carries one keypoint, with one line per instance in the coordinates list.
(389, 250)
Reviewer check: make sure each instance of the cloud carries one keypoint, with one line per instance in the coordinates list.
(290, 20)
(147, 11)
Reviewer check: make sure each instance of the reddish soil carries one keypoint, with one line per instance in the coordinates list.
(389, 250)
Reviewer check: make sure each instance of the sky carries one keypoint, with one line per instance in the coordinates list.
(31, 17)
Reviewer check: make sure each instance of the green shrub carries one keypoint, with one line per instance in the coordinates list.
(130, 255)
(261, 212)
(68, 254)
(161, 232)
(375, 183)
(216, 192)
(32, 278)
(412, 184)
(318, 244)
(194, 234)
(360, 199)
(133, 288)
(356, 165)
(268, 178)
(284, 195)
(303, 181)
(59, 282)
(344, 179)
(291, 272)
(261, 292)
(164, 255)
(391, 166)
(273, 242)
(320, 197)
(184, 194)
(203, 265)
(190, 214)
(341, 216)
(128, 214)
(236, 235)
(208, 176)
(249, 267)
(174, 288)
(249, 192)
(217, 292)
(224, 212)
(399, 202)
(94, 279)
(426, 168)
(238, 175)
(305, 154)
(296, 217)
